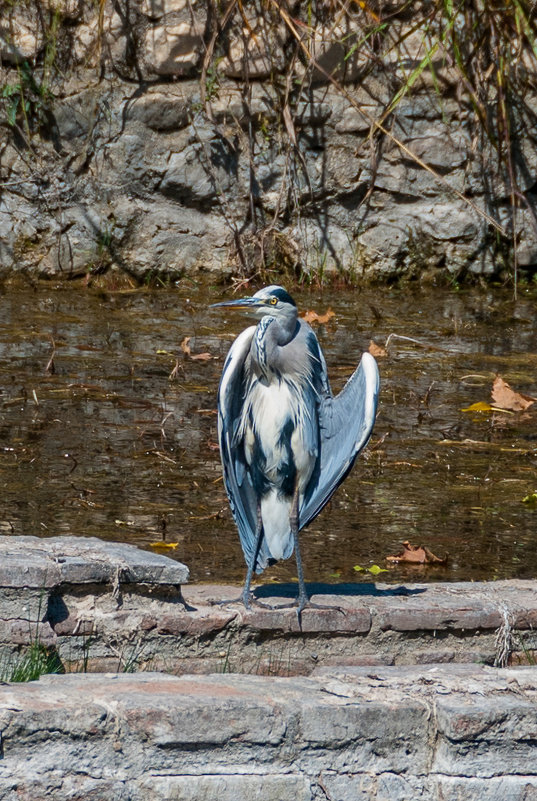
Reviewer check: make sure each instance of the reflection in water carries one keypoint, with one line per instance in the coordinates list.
(105, 443)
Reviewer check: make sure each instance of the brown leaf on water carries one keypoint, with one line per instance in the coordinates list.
(313, 317)
(417, 555)
(185, 347)
(377, 350)
(506, 398)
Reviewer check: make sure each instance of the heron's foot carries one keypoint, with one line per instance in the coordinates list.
(312, 605)
(303, 602)
(226, 601)
(248, 599)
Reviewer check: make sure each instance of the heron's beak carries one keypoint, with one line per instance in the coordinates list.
(248, 304)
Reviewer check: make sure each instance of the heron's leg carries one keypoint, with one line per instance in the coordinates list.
(246, 596)
(303, 599)
(249, 573)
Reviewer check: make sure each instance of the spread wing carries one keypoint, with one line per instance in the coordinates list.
(346, 423)
(240, 492)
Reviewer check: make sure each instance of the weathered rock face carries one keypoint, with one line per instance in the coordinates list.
(358, 727)
(99, 605)
(435, 733)
(37, 578)
(173, 139)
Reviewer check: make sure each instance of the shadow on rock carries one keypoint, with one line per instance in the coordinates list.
(290, 590)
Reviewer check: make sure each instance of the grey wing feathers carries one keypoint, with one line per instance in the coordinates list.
(346, 423)
(241, 495)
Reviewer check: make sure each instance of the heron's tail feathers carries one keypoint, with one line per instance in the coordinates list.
(275, 512)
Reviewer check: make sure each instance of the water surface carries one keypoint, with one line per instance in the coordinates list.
(108, 428)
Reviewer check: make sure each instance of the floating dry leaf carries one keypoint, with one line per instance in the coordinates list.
(162, 544)
(377, 350)
(313, 317)
(480, 406)
(175, 372)
(185, 347)
(506, 398)
(51, 368)
(417, 555)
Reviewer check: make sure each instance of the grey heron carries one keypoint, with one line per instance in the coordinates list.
(286, 442)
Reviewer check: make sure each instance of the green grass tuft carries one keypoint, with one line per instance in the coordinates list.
(36, 661)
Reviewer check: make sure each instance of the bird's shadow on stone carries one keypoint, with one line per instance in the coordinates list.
(290, 590)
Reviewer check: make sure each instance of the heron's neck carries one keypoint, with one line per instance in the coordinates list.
(269, 335)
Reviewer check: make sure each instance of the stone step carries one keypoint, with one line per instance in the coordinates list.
(435, 732)
(108, 605)
(44, 564)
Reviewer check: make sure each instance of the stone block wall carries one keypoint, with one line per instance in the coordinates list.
(99, 606)
(432, 732)
(388, 711)
(157, 137)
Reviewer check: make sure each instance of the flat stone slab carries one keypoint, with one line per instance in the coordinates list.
(48, 563)
(441, 607)
(399, 608)
(436, 732)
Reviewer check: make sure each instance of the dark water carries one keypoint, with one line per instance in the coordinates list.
(110, 445)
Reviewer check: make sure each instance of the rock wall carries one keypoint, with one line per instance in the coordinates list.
(100, 606)
(157, 137)
(435, 733)
(358, 727)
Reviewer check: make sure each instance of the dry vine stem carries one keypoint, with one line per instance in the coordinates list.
(376, 125)
(416, 342)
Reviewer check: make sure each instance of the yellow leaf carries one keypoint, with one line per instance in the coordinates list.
(483, 406)
(531, 498)
(163, 544)
(375, 570)
(480, 406)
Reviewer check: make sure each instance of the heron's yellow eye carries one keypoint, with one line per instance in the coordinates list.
(273, 301)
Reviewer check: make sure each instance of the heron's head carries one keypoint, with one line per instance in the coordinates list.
(271, 300)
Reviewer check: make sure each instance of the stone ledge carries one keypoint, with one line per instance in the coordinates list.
(104, 605)
(434, 732)
(48, 563)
